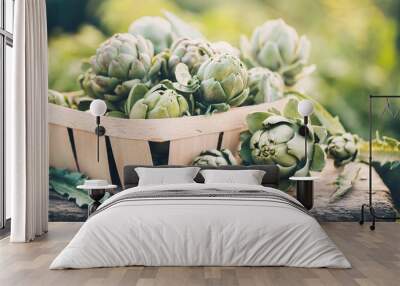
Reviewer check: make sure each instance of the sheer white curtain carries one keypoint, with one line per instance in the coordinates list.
(27, 154)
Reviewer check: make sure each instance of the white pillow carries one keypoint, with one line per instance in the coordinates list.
(247, 177)
(166, 176)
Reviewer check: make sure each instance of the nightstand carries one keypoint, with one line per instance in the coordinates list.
(305, 190)
(96, 190)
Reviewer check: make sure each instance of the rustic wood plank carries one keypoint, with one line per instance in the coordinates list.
(159, 130)
(86, 143)
(183, 151)
(375, 257)
(348, 207)
(130, 152)
(60, 149)
(231, 140)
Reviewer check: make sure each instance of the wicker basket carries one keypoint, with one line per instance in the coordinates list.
(174, 141)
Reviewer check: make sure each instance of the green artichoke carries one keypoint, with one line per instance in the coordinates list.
(58, 98)
(223, 157)
(279, 140)
(223, 47)
(265, 86)
(160, 102)
(120, 63)
(224, 80)
(155, 29)
(191, 52)
(342, 148)
(277, 46)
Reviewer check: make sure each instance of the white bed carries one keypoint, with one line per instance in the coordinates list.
(225, 225)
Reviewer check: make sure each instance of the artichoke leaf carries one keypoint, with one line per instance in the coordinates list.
(384, 150)
(332, 124)
(318, 159)
(245, 55)
(255, 120)
(116, 114)
(181, 29)
(219, 107)
(344, 182)
(296, 147)
(182, 74)
(137, 92)
(290, 109)
(139, 110)
(239, 99)
(321, 133)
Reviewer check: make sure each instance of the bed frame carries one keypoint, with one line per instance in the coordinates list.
(270, 179)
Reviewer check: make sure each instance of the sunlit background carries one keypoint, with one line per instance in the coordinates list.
(355, 44)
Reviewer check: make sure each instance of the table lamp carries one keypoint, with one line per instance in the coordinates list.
(98, 108)
(305, 109)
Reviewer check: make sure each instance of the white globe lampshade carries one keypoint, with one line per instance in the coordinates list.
(305, 108)
(98, 107)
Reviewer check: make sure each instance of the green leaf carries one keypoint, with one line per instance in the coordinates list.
(319, 158)
(180, 28)
(255, 120)
(117, 114)
(64, 182)
(290, 109)
(321, 133)
(245, 152)
(331, 123)
(182, 74)
(384, 150)
(345, 182)
(136, 93)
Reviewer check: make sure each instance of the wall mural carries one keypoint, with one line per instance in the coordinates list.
(197, 82)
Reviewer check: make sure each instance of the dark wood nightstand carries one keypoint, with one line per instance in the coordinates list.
(97, 194)
(305, 190)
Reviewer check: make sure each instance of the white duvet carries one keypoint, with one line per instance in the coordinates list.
(192, 231)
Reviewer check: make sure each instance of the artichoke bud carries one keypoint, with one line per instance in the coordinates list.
(277, 46)
(160, 102)
(58, 98)
(223, 47)
(155, 29)
(159, 66)
(118, 61)
(342, 148)
(265, 86)
(276, 139)
(191, 52)
(224, 80)
(215, 158)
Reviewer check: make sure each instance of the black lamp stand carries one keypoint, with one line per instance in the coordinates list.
(100, 131)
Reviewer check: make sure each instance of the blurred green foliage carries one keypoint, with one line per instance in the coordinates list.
(353, 42)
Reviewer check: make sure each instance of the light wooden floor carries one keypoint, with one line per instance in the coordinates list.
(375, 257)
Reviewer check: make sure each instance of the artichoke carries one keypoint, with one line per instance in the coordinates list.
(120, 63)
(265, 86)
(160, 102)
(223, 47)
(224, 82)
(191, 52)
(215, 158)
(58, 98)
(279, 140)
(342, 148)
(276, 46)
(155, 29)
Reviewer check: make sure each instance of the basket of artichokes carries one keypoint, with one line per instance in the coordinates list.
(172, 94)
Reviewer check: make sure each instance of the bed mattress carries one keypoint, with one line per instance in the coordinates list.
(201, 225)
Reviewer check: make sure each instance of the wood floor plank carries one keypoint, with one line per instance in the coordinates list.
(375, 257)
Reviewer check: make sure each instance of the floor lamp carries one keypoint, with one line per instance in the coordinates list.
(370, 203)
